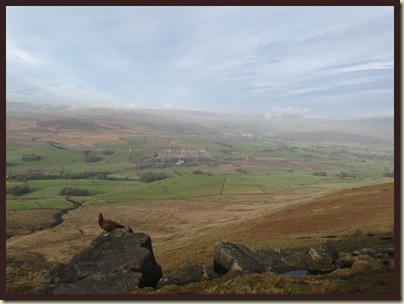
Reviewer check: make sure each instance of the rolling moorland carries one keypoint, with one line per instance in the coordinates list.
(189, 179)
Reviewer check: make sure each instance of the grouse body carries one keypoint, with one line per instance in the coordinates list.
(108, 225)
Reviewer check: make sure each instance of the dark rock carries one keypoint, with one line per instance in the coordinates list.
(348, 260)
(321, 259)
(185, 274)
(390, 252)
(345, 261)
(362, 251)
(115, 263)
(281, 260)
(315, 259)
(295, 273)
(166, 281)
(210, 274)
(229, 256)
(106, 283)
(376, 253)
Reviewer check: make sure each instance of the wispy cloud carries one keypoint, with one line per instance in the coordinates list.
(243, 59)
(19, 56)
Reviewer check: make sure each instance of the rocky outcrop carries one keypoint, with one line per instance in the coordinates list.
(313, 260)
(185, 274)
(112, 264)
(229, 256)
(121, 261)
(283, 260)
(210, 274)
(321, 259)
(348, 260)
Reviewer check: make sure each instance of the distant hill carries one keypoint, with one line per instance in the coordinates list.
(332, 136)
(372, 131)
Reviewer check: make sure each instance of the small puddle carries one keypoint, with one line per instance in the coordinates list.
(295, 273)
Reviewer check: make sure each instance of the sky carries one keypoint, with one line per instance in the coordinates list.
(323, 62)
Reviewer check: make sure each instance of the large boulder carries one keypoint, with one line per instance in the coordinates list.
(321, 259)
(283, 260)
(315, 259)
(185, 274)
(112, 264)
(229, 256)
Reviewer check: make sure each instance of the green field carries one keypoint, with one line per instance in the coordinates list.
(228, 164)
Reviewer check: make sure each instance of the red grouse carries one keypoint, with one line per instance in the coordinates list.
(108, 225)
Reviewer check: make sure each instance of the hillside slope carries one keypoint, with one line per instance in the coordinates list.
(185, 230)
(346, 216)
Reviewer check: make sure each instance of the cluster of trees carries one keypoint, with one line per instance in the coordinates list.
(42, 176)
(93, 158)
(241, 170)
(71, 191)
(320, 173)
(31, 157)
(198, 171)
(104, 152)
(84, 175)
(18, 190)
(149, 177)
(107, 152)
(344, 174)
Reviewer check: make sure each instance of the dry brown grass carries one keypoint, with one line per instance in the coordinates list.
(24, 129)
(27, 221)
(341, 215)
(186, 229)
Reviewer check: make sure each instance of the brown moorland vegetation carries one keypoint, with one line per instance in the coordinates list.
(186, 230)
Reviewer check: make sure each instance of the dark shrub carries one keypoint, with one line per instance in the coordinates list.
(10, 164)
(320, 173)
(198, 171)
(31, 157)
(150, 177)
(241, 170)
(18, 190)
(344, 174)
(70, 191)
(107, 152)
(84, 175)
(92, 158)
(389, 174)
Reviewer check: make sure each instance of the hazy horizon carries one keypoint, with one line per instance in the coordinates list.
(307, 62)
(72, 108)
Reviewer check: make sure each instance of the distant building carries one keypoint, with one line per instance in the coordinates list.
(179, 162)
